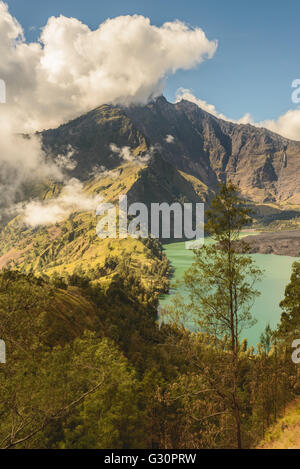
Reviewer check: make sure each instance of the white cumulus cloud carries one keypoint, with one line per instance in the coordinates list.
(287, 125)
(72, 68)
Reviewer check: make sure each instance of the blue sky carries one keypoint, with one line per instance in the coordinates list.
(257, 57)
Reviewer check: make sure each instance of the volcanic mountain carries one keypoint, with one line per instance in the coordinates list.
(160, 152)
(187, 139)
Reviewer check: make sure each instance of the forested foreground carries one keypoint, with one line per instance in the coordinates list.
(89, 367)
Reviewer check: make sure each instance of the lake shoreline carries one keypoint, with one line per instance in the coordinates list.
(266, 310)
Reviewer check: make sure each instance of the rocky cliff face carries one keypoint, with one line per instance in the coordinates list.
(264, 165)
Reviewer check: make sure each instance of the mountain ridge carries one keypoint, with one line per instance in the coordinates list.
(263, 164)
(162, 152)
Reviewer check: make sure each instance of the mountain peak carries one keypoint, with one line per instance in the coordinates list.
(263, 164)
(161, 100)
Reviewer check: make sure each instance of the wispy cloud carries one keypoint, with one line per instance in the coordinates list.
(72, 199)
(66, 161)
(126, 154)
(100, 172)
(22, 162)
(170, 138)
(183, 93)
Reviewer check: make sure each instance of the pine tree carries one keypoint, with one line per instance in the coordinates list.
(221, 284)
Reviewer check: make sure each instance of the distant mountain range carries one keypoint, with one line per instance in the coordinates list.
(186, 139)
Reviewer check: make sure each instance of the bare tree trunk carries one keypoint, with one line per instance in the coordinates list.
(237, 424)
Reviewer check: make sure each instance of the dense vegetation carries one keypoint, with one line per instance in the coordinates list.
(89, 367)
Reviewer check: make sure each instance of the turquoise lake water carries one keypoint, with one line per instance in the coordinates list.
(277, 272)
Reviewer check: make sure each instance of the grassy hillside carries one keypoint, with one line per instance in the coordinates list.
(72, 245)
(88, 365)
(285, 433)
(62, 313)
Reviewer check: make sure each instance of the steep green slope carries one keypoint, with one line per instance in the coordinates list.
(159, 181)
(75, 357)
(72, 245)
(62, 314)
(285, 433)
